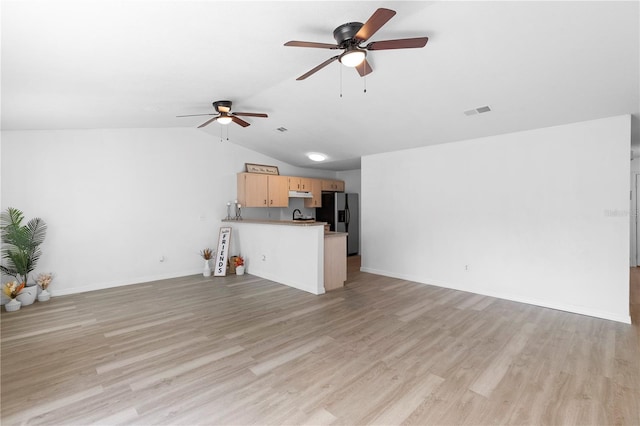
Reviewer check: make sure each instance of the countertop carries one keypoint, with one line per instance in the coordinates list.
(329, 234)
(278, 222)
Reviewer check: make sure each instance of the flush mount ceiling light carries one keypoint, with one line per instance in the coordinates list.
(352, 57)
(316, 156)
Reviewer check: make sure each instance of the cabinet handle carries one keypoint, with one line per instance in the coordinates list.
(265, 202)
(271, 201)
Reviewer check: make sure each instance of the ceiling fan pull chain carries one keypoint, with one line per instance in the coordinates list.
(227, 133)
(365, 84)
(340, 70)
(221, 135)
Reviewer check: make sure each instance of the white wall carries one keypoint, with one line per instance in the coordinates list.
(531, 216)
(633, 208)
(117, 200)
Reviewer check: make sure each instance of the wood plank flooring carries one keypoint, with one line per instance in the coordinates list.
(242, 350)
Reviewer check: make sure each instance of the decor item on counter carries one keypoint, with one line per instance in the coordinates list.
(261, 168)
(207, 255)
(43, 282)
(21, 243)
(11, 290)
(239, 264)
(228, 211)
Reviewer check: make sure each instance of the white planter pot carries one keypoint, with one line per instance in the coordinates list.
(12, 305)
(207, 269)
(28, 295)
(240, 270)
(44, 295)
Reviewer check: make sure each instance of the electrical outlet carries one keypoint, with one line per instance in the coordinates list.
(466, 267)
(264, 258)
(161, 258)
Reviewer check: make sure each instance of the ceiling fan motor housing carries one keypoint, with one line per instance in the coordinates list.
(218, 104)
(344, 34)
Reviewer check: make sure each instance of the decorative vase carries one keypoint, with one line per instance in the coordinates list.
(240, 270)
(44, 295)
(12, 305)
(28, 295)
(207, 269)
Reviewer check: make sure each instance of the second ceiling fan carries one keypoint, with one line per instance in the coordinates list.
(351, 35)
(225, 116)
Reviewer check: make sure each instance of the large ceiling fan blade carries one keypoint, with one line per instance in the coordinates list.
(402, 43)
(364, 68)
(239, 121)
(194, 115)
(311, 44)
(251, 114)
(374, 23)
(206, 123)
(318, 68)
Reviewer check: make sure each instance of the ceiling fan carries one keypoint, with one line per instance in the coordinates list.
(225, 116)
(351, 35)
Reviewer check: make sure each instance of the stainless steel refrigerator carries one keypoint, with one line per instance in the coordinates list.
(342, 211)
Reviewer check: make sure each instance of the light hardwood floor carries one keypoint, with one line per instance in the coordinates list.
(243, 350)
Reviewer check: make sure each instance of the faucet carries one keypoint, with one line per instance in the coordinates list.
(294, 213)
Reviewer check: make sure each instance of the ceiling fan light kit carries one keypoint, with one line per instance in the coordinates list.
(352, 57)
(224, 119)
(351, 36)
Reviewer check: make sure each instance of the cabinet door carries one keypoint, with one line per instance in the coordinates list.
(253, 190)
(294, 183)
(278, 191)
(333, 185)
(316, 191)
(305, 184)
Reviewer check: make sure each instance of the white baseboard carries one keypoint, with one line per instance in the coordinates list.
(120, 283)
(542, 303)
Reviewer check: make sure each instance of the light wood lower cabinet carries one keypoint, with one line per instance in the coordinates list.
(257, 190)
(335, 260)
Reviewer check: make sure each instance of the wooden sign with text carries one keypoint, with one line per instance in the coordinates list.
(220, 269)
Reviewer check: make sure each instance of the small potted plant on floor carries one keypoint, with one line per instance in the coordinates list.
(239, 263)
(207, 255)
(43, 282)
(21, 249)
(11, 290)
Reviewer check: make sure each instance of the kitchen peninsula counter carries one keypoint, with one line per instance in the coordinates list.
(295, 253)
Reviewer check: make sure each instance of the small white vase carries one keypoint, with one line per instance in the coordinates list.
(240, 270)
(207, 269)
(12, 305)
(44, 295)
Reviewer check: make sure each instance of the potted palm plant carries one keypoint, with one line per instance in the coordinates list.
(21, 249)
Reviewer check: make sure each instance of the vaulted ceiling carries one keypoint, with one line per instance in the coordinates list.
(138, 64)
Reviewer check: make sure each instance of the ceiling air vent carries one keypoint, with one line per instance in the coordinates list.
(478, 110)
(282, 129)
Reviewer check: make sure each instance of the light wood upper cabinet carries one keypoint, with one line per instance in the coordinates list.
(299, 183)
(278, 191)
(258, 190)
(316, 191)
(333, 185)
